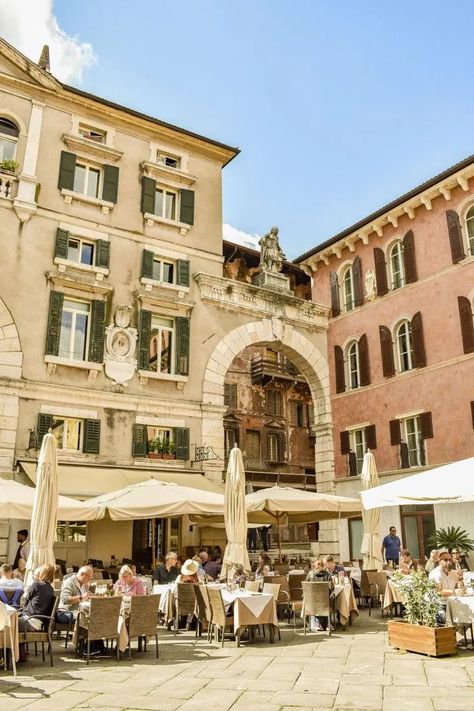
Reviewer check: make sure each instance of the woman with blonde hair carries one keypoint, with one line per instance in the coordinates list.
(128, 583)
(39, 599)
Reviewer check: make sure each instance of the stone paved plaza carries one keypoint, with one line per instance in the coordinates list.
(350, 670)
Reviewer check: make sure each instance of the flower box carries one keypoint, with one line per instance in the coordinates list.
(155, 455)
(168, 456)
(433, 641)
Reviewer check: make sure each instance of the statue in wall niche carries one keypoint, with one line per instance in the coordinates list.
(370, 285)
(271, 254)
(120, 343)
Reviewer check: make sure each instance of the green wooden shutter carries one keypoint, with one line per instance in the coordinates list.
(380, 271)
(395, 432)
(91, 439)
(371, 437)
(181, 440)
(97, 331)
(56, 299)
(182, 269)
(67, 169)
(186, 211)
(148, 195)
(339, 367)
(147, 264)
(110, 185)
(62, 243)
(42, 427)
(345, 442)
(139, 441)
(182, 346)
(335, 301)
(144, 336)
(102, 253)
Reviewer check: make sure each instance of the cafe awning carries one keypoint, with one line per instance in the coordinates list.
(83, 481)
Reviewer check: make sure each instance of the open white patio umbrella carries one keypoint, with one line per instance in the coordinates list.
(448, 484)
(17, 500)
(235, 515)
(282, 503)
(45, 508)
(371, 544)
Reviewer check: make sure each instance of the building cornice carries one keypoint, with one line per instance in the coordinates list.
(260, 302)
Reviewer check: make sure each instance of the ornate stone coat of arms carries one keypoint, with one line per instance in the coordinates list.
(120, 344)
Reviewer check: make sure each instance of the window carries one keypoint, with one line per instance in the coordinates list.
(272, 444)
(298, 414)
(87, 180)
(397, 266)
(165, 203)
(8, 139)
(92, 134)
(168, 160)
(358, 444)
(71, 531)
(164, 271)
(273, 402)
(73, 341)
(411, 433)
(470, 230)
(252, 446)
(348, 290)
(356, 534)
(80, 251)
(161, 354)
(231, 437)
(68, 432)
(230, 395)
(404, 346)
(353, 365)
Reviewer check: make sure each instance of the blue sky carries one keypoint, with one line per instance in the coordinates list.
(338, 107)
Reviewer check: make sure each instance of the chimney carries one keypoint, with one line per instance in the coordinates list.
(44, 58)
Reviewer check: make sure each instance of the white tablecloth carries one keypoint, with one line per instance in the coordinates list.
(345, 602)
(460, 610)
(12, 631)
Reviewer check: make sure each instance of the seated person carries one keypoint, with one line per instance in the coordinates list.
(264, 560)
(238, 575)
(447, 580)
(74, 589)
(189, 572)
(405, 563)
(39, 599)
(127, 583)
(319, 574)
(432, 561)
(459, 560)
(19, 573)
(11, 589)
(168, 571)
(201, 573)
(331, 566)
(418, 566)
(211, 566)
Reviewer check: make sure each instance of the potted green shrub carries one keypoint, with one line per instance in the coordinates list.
(418, 631)
(154, 448)
(169, 451)
(8, 166)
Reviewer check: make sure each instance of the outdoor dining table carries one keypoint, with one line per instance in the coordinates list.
(345, 603)
(460, 610)
(11, 632)
(393, 595)
(166, 592)
(250, 609)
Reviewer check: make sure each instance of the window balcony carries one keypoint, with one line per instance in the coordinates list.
(263, 370)
(8, 185)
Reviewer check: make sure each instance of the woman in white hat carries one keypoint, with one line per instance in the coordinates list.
(189, 572)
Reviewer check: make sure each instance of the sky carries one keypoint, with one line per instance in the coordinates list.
(338, 106)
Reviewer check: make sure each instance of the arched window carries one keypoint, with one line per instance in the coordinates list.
(404, 343)
(397, 266)
(348, 289)
(470, 230)
(8, 139)
(353, 365)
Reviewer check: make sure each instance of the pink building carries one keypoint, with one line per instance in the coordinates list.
(401, 344)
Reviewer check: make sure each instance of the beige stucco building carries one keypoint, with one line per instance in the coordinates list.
(117, 326)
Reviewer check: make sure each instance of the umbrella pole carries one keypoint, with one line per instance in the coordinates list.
(279, 535)
(153, 543)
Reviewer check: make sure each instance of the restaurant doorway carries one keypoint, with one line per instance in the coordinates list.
(418, 524)
(163, 533)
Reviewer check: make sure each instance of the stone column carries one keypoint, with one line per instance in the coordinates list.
(324, 465)
(213, 436)
(25, 202)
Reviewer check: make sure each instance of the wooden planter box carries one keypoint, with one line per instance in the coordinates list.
(434, 641)
(155, 455)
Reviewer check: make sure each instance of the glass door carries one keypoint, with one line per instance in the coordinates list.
(418, 525)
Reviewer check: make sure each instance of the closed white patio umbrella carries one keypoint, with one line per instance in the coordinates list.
(235, 515)
(371, 545)
(45, 508)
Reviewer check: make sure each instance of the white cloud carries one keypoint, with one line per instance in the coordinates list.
(232, 234)
(29, 24)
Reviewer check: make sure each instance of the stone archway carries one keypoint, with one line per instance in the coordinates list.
(310, 361)
(11, 361)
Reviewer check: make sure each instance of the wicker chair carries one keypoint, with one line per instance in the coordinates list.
(143, 619)
(283, 601)
(364, 594)
(296, 595)
(377, 584)
(204, 611)
(184, 603)
(252, 585)
(101, 623)
(220, 621)
(317, 602)
(272, 589)
(281, 568)
(44, 634)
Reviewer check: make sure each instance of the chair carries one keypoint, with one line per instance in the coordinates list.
(204, 611)
(5, 627)
(296, 595)
(251, 585)
(44, 634)
(184, 602)
(377, 584)
(220, 621)
(143, 619)
(272, 589)
(62, 565)
(317, 602)
(281, 568)
(101, 623)
(284, 592)
(365, 591)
